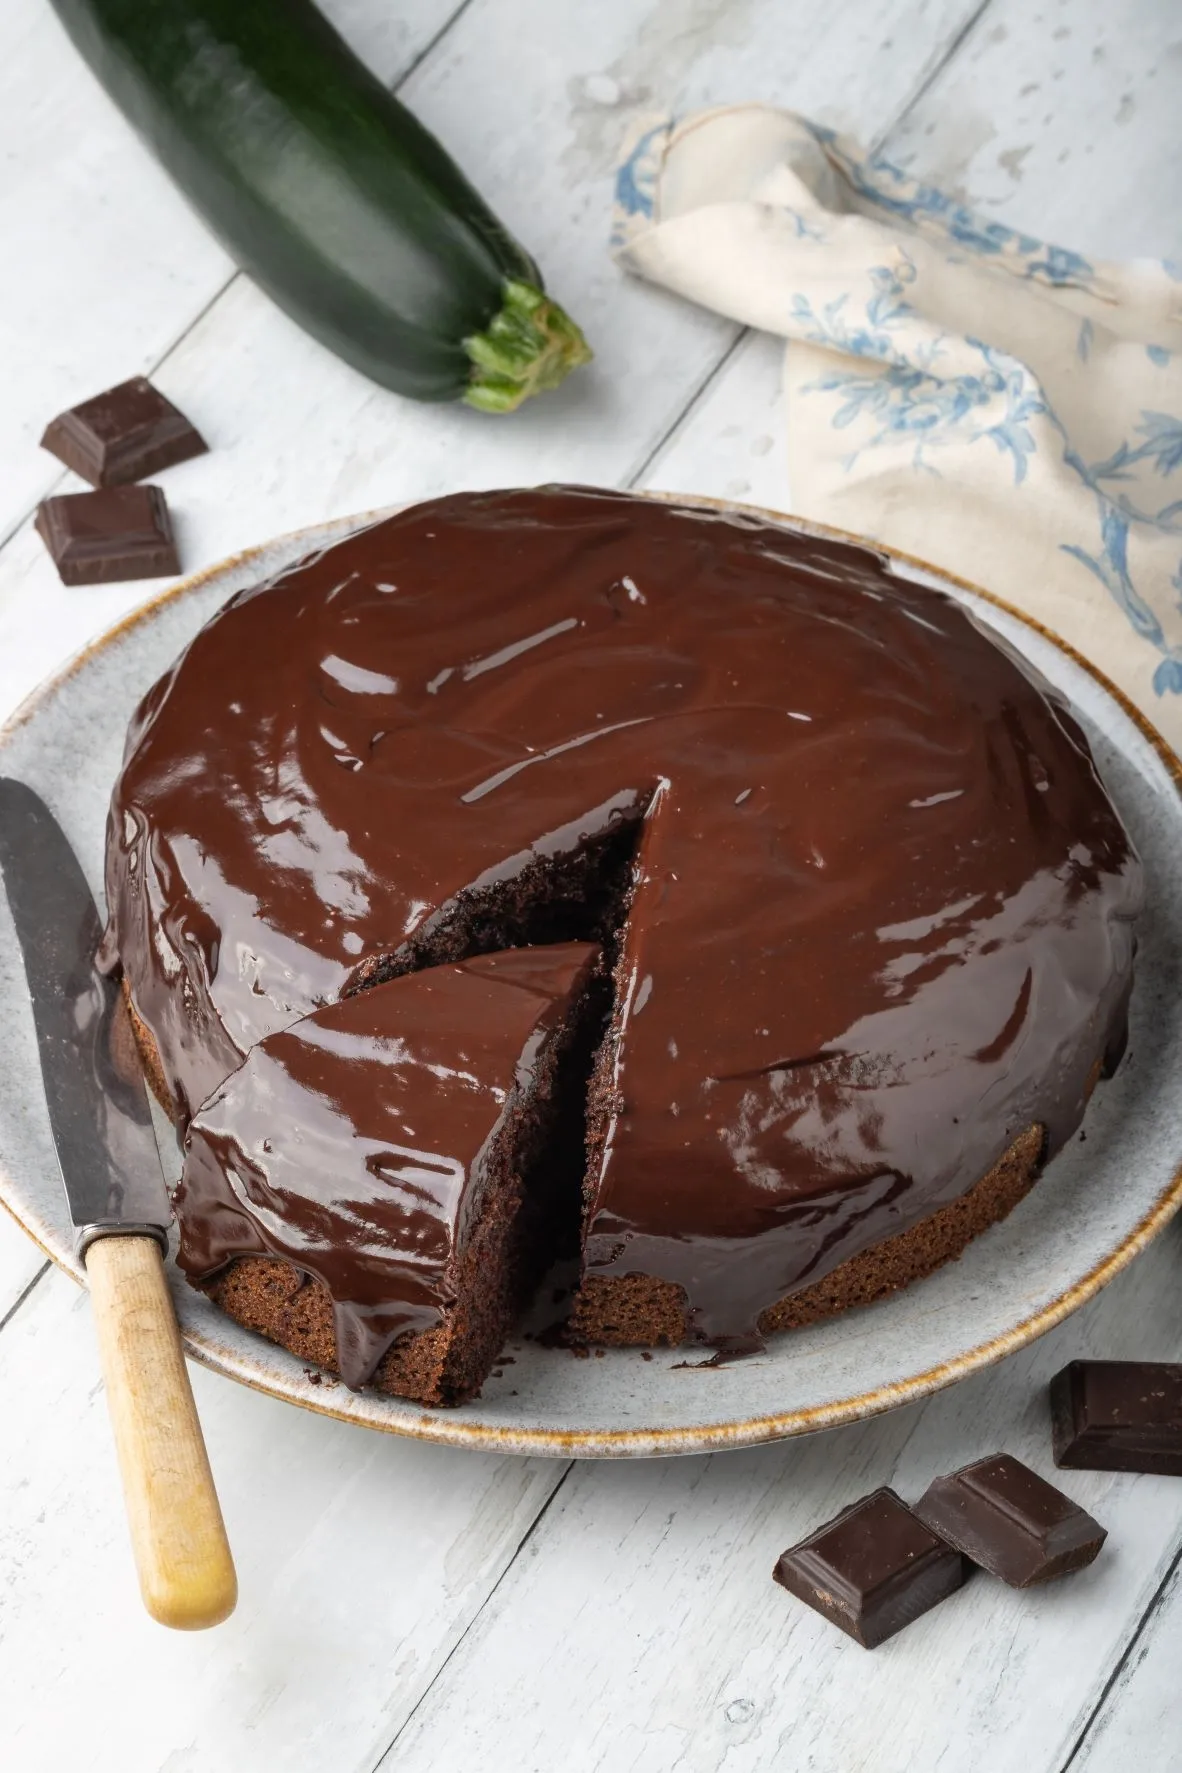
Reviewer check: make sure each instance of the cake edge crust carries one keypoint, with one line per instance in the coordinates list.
(635, 1310)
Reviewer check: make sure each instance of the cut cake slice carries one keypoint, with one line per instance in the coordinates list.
(355, 1189)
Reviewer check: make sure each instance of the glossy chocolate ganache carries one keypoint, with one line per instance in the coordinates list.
(869, 907)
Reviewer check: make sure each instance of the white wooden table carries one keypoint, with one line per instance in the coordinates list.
(409, 1607)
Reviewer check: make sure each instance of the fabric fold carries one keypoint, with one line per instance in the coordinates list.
(1004, 409)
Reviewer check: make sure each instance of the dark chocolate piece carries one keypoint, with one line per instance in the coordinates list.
(123, 532)
(471, 712)
(1118, 1416)
(1012, 1522)
(873, 1569)
(122, 435)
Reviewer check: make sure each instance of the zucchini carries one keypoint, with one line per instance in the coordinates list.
(330, 194)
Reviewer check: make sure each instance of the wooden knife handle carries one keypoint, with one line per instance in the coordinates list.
(185, 1568)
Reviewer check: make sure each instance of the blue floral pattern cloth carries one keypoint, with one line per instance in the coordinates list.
(1007, 410)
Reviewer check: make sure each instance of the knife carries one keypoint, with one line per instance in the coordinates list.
(118, 1205)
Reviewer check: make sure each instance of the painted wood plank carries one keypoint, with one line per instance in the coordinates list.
(297, 436)
(1139, 1723)
(105, 265)
(731, 444)
(361, 1558)
(1062, 117)
(640, 1628)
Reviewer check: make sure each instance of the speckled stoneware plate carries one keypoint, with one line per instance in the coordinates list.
(1097, 1205)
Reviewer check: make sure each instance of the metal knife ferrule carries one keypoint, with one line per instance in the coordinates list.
(85, 1235)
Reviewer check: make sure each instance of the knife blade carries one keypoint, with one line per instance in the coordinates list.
(118, 1205)
(98, 1111)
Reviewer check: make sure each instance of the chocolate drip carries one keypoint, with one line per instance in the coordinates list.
(881, 920)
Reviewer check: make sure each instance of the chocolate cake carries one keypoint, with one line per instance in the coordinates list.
(866, 908)
(376, 1157)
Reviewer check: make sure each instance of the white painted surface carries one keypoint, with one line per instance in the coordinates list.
(1062, 117)
(1137, 1723)
(361, 1560)
(638, 1628)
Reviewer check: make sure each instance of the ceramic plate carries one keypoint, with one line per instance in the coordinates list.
(1097, 1205)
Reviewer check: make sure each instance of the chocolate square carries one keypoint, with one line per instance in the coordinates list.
(123, 532)
(122, 435)
(1118, 1416)
(1012, 1522)
(872, 1569)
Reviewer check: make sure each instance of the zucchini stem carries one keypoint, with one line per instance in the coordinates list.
(530, 344)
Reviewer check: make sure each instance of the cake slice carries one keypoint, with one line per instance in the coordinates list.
(355, 1190)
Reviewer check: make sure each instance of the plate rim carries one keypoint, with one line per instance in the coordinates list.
(457, 1429)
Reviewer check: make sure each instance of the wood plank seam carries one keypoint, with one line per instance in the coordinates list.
(383, 1759)
(653, 455)
(431, 45)
(928, 80)
(24, 1294)
(195, 321)
(1124, 1660)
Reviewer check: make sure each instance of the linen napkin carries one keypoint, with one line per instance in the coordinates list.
(1006, 410)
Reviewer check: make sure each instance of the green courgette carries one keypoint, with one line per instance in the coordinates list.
(330, 194)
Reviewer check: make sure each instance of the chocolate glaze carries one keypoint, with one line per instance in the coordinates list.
(882, 915)
(354, 1144)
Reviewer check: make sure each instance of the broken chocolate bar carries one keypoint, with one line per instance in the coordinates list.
(1012, 1522)
(1118, 1416)
(873, 1569)
(123, 532)
(123, 435)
